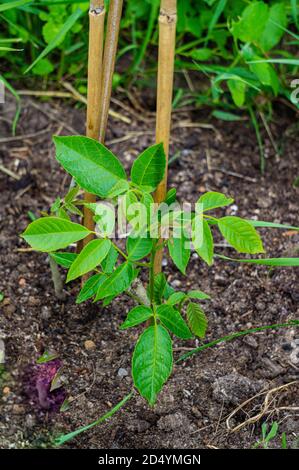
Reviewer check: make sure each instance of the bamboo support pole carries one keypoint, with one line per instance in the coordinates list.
(113, 24)
(101, 63)
(95, 58)
(167, 34)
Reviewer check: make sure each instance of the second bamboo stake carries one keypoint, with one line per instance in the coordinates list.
(95, 58)
(167, 33)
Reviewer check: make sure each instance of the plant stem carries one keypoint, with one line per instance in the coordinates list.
(167, 32)
(57, 280)
(95, 55)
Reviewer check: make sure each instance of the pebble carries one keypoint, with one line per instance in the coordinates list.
(122, 372)
(176, 283)
(32, 300)
(18, 409)
(9, 309)
(89, 345)
(6, 390)
(221, 280)
(251, 341)
(45, 313)
(22, 282)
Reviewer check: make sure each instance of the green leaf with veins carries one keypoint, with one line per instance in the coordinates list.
(179, 252)
(117, 282)
(197, 320)
(198, 294)
(149, 168)
(64, 259)
(152, 362)
(173, 320)
(53, 233)
(203, 242)
(89, 258)
(240, 234)
(213, 200)
(176, 298)
(90, 287)
(138, 248)
(137, 315)
(92, 165)
(109, 262)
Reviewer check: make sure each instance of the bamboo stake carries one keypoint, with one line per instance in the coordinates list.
(113, 24)
(167, 33)
(95, 57)
(100, 74)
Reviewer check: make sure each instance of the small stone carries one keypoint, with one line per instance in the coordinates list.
(196, 412)
(176, 283)
(139, 425)
(18, 409)
(32, 300)
(6, 390)
(30, 421)
(221, 280)
(251, 341)
(45, 313)
(22, 282)
(89, 345)
(9, 309)
(122, 372)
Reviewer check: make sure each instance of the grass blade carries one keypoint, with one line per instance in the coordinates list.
(18, 101)
(262, 223)
(258, 137)
(217, 13)
(264, 261)
(60, 35)
(275, 61)
(67, 437)
(294, 323)
(15, 4)
(294, 11)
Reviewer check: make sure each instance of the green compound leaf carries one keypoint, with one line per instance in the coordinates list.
(64, 259)
(212, 200)
(197, 320)
(90, 287)
(117, 282)
(152, 362)
(89, 258)
(53, 233)
(241, 235)
(172, 319)
(136, 316)
(204, 244)
(138, 248)
(92, 165)
(149, 168)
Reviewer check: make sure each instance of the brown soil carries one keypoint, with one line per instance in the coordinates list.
(192, 409)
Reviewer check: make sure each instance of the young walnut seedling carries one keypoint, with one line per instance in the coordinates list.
(147, 228)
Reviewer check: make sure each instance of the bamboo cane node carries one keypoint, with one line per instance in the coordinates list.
(167, 17)
(93, 10)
